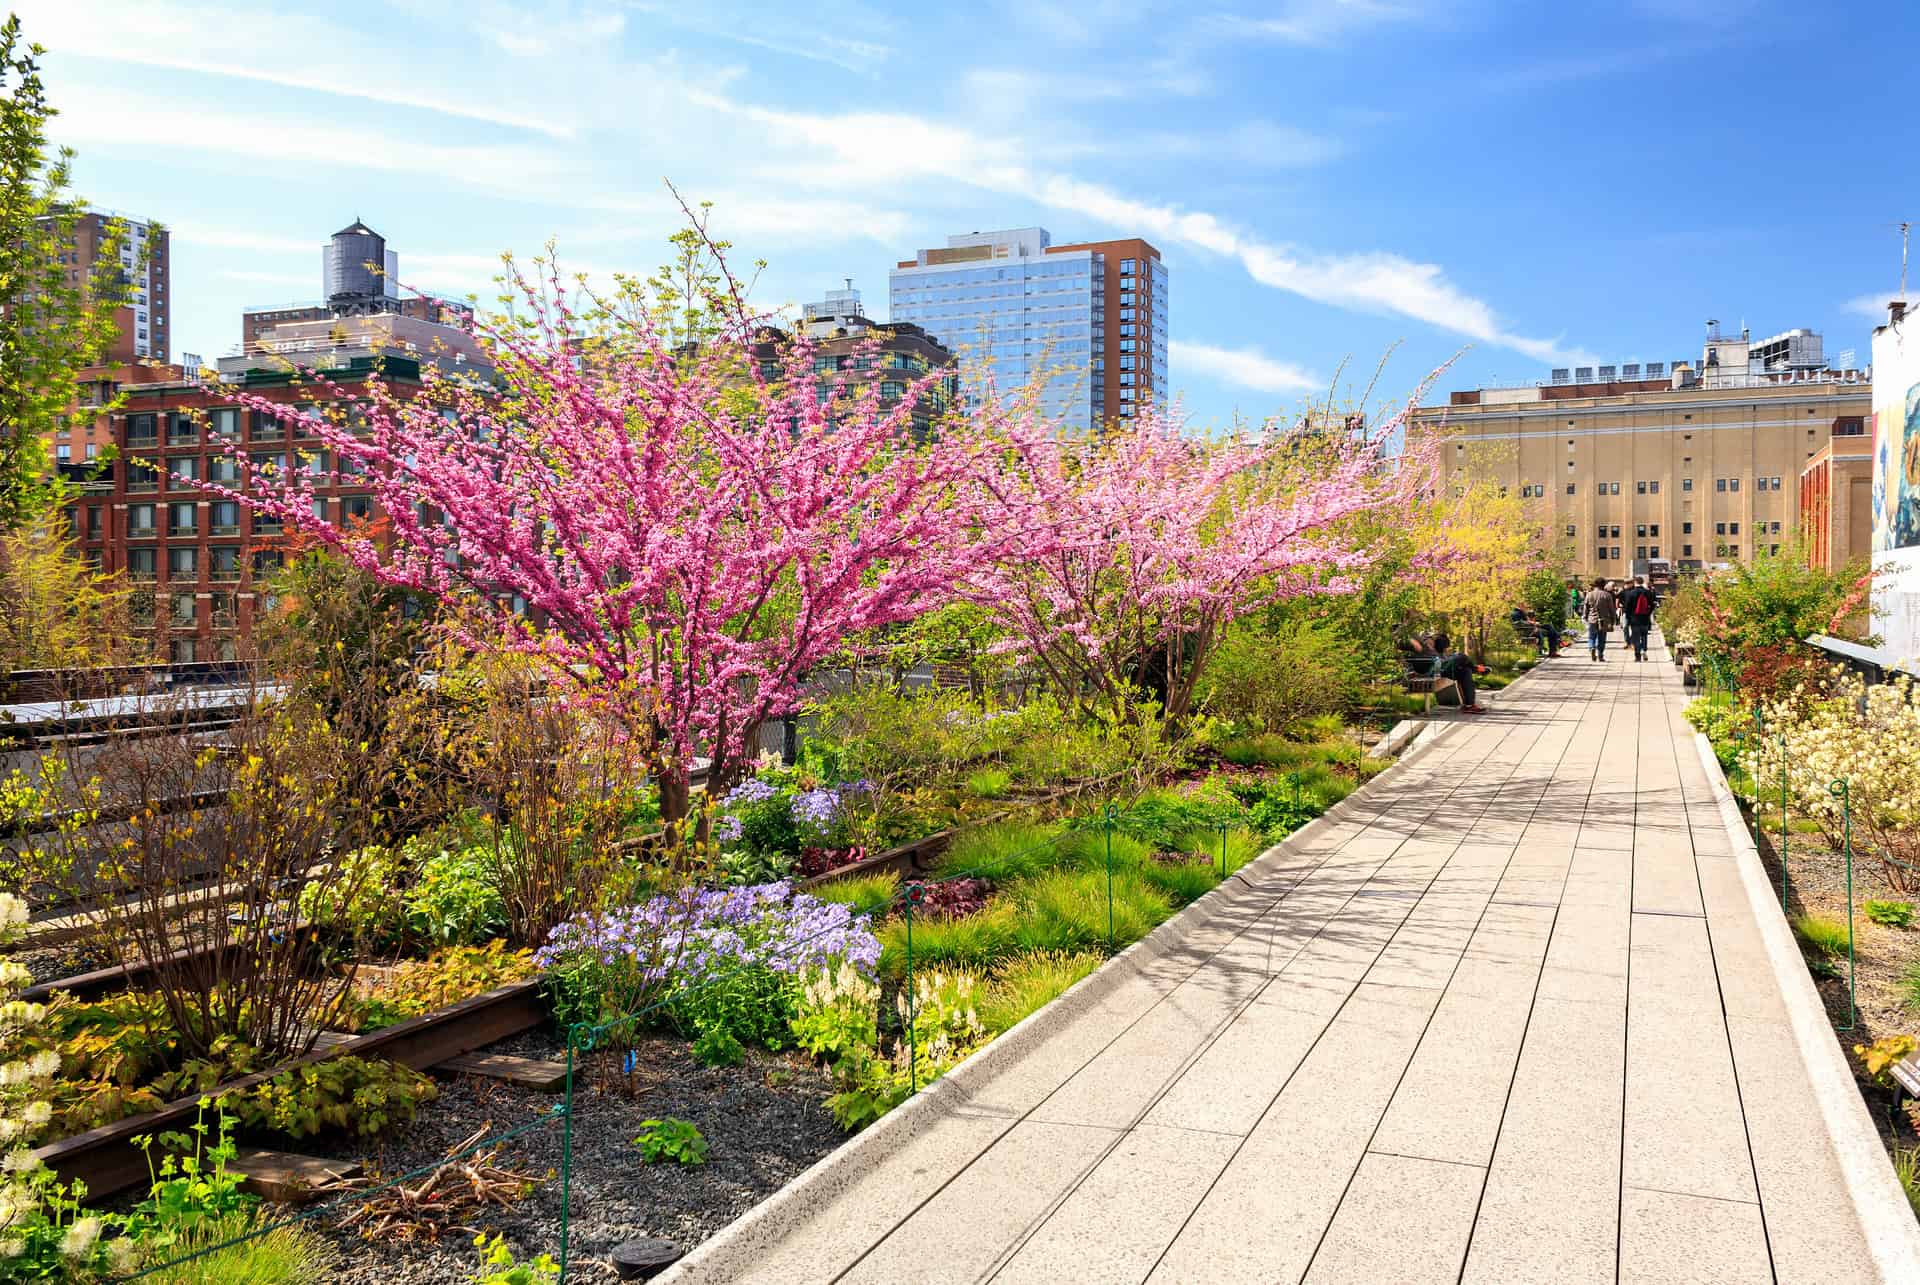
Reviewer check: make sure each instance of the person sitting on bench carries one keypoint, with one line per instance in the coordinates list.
(1460, 668)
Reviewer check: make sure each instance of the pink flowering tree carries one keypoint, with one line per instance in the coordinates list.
(681, 531)
(1125, 555)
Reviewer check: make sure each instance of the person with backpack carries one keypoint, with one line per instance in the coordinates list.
(1637, 602)
(1601, 612)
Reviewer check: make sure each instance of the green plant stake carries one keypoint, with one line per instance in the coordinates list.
(566, 1146)
(914, 892)
(1786, 841)
(1844, 793)
(1112, 814)
(1223, 852)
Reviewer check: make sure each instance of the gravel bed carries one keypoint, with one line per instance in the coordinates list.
(765, 1121)
(51, 963)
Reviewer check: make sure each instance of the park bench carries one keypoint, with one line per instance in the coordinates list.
(1433, 688)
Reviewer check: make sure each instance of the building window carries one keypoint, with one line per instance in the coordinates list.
(183, 565)
(1719, 528)
(182, 612)
(1603, 532)
(1569, 529)
(1613, 488)
(1776, 483)
(142, 477)
(93, 522)
(1773, 528)
(266, 428)
(222, 612)
(182, 431)
(1614, 532)
(1653, 488)
(1686, 551)
(358, 508)
(184, 469)
(1686, 484)
(1654, 552)
(1774, 549)
(1733, 484)
(1639, 488)
(266, 562)
(1569, 488)
(1720, 484)
(1641, 531)
(1653, 528)
(63, 452)
(223, 468)
(223, 563)
(1639, 550)
(181, 651)
(139, 521)
(226, 423)
(140, 608)
(182, 518)
(223, 517)
(141, 431)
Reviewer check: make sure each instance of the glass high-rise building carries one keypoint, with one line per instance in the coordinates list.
(1087, 322)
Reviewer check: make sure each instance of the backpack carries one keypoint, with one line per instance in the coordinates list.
(1643, 604)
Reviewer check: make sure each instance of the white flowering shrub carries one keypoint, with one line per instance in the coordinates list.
(1868, 737)
(43, 1235)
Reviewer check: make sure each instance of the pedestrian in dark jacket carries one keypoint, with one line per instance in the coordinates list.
(1637, 603)
(1601, 612)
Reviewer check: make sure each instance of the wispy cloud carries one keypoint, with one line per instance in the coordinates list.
(1873, 306)
(1312, 22)
(289, 50)
(1245, 367)
(876, 148)
(814, 32)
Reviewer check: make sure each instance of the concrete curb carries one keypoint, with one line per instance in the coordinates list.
(1886, 1219)
(730, 1252)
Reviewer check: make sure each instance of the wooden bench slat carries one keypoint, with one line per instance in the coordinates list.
(528, 1073)
(287, 1178)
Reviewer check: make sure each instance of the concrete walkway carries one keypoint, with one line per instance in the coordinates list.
(1513, 1016)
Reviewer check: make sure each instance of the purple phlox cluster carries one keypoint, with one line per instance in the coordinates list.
(751, 790)
(727, 829)
(697, 935)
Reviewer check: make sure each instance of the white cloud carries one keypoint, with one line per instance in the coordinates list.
(1873, 306)
(1313, 22)
(875, 148)
(291, 50)
(1246, 367)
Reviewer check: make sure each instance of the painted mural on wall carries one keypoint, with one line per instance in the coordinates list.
(1896, 486)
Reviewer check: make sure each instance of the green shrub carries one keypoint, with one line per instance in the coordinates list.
(671, 1139)
(1158, 817)
(1029, 983)
(865, 894)
(1340, 751)
(1369, 767)
(1894, 914)
(361, 899)
(454, 899)
(1068, 910)
(356, 1095)
(1825, 934)
(1320, 727)
(964, 941)
(1270, 672)
(1003, 850)
(990, 783)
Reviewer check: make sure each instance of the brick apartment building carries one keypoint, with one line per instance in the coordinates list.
(197, 562)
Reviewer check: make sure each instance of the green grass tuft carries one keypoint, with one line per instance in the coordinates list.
(287, 1255)
(1028, 983)
(1265, 751)
(1242, 846)
(964, 941)
(1087, 849)
(1906, 1167)
(1003, 850)
(1370, 767)
(1183, 881)
(864, 894)
(990, 783)
(1910, 987)
(1825, 934)
(1067, 909)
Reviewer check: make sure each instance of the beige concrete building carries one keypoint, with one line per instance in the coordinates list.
(1696, 465)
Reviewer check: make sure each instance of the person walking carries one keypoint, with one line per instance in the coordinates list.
(1601, 612)
(1636, 611)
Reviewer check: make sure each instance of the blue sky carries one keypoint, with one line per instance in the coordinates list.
(1325, 178)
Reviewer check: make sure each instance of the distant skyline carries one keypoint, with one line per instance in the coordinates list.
(1325, 178)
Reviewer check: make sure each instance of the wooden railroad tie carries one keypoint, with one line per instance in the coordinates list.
(526, 1072)
(288, 1179)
